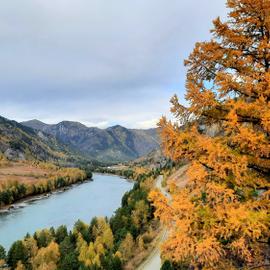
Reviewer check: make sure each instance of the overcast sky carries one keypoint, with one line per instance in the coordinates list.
(99, 62)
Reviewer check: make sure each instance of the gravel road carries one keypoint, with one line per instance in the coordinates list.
(153, 262)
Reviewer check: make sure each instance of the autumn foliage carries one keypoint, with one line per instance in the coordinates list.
(23, 179)
(220, 220)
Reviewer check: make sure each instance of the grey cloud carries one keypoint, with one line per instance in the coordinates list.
(94, 55)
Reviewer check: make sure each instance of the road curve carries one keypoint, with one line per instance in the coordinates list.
(153, 262)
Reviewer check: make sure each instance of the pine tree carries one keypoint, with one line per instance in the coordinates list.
(68, 255)
(167, 266)
(60, 234)
(16, 253)
(2, 253)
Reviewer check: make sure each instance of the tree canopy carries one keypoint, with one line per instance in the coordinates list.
(220, 220)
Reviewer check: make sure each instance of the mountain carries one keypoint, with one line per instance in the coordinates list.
(114, 144)
(18, 142)
(35, 124)
(153, 160)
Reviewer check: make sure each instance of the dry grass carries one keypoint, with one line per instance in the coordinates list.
(140, 255)
(179, 177)
(22, 169)
(23, 172)
(34, 178)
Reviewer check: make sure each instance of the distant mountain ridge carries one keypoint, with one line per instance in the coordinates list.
(18, 142)
(114, 144)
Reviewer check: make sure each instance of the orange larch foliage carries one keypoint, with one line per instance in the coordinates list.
(220, 220)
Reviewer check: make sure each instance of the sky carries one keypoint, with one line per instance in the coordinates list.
(98, 62)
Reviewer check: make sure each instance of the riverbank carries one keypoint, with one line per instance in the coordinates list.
(23, 181)
(130, 227)
(133, 173)
(149, 255)
(33, 198)
(85, 201)
(131, 180)
(153, 259)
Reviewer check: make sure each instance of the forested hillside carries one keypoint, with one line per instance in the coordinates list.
(20, 143)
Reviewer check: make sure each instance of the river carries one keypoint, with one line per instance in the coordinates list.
(85, 201)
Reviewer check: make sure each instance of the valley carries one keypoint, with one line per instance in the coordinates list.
(188, 188)
(110, 145)
(36, 158)
(44, 173)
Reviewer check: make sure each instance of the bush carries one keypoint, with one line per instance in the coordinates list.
(167, 266)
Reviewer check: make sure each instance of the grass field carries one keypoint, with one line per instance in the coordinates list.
(21, 179)
(23, 172)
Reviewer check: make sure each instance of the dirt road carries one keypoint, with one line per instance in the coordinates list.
(153, 262)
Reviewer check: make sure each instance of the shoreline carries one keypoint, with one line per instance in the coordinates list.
(115, 174)
(33, 198)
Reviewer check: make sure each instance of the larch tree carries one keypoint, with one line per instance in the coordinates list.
(102, 233)
(126, 248)
(47, 257)
(20, 266)
(31, 247)
(90, 254)
(140, 213)
(220, 220)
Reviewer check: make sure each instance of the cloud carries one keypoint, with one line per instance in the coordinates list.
(147, 124)
(119, 61)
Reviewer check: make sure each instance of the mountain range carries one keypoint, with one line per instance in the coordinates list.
(18, 142)
(114, 144)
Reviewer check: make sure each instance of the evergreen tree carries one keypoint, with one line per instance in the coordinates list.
(167, 265)
(16, 253)
(2, 253)
(68, 255)
(44, 237)
(60, 234)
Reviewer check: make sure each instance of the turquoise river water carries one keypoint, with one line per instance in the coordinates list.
(85, 201)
